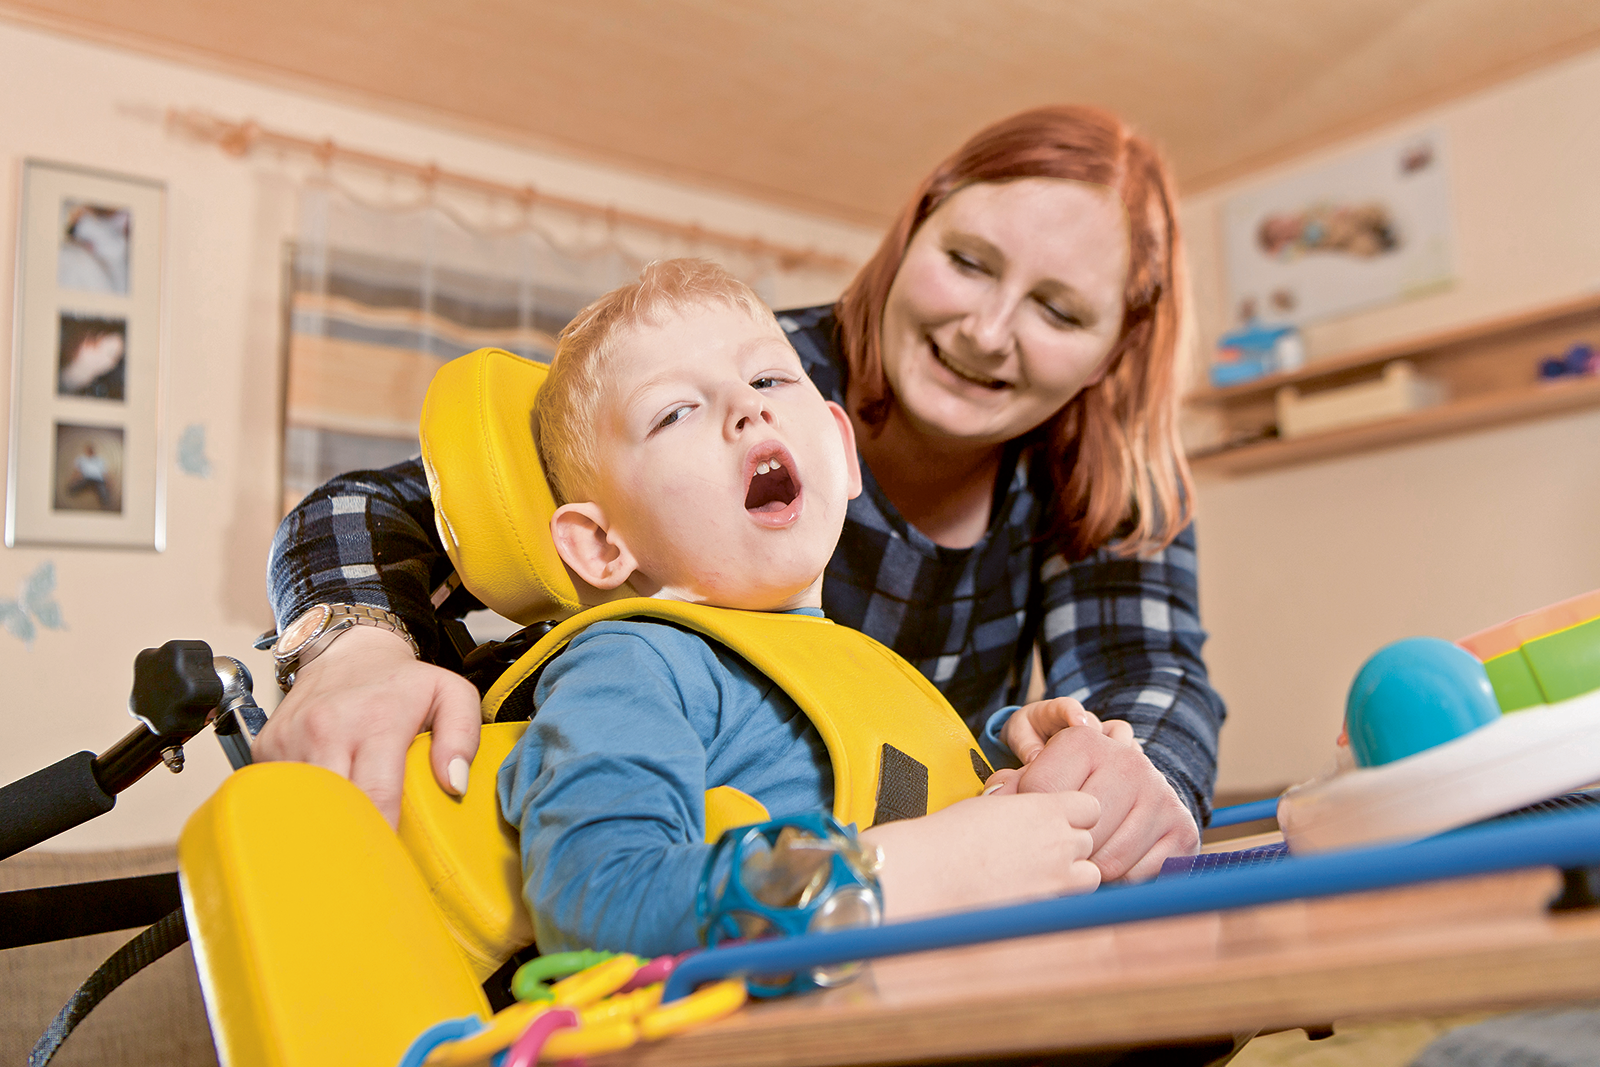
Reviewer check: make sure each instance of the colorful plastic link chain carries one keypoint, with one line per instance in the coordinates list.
(603, 1002)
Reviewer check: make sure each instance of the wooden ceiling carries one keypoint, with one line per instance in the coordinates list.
(839, 106)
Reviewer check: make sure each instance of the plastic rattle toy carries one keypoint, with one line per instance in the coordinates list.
(798, 875)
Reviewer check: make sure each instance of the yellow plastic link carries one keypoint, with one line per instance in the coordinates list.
(601, 980)
(590, 1040)
(500, 1032)
(702, 1006)
(607, 1025)
(623, 1006)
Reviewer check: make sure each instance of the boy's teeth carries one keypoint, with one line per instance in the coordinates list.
(763, 468)
(775, 463)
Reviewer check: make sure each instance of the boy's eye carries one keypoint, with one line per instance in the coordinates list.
(677, 413)
(765, 382)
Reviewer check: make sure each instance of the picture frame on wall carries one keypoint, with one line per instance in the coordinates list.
(87, 362)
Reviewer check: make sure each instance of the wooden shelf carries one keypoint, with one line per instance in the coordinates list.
(1490, 369)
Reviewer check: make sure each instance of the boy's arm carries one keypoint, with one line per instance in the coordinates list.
(985, 851)
(607, 788)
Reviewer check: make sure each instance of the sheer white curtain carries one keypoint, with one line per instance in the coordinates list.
(380, 297)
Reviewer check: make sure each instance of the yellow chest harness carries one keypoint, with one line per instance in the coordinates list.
(897, 748)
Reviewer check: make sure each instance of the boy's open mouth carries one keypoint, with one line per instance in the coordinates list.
(772, 488)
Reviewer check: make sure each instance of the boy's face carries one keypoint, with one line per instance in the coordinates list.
(723, 474)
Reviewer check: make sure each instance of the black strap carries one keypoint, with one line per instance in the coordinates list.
(57, 912)
(124, 963)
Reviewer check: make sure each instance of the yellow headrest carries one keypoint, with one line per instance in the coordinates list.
(490, 498)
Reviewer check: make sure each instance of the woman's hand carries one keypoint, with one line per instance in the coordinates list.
(356, 708)
(1031, 725)
(984, 851)
(1142, 821)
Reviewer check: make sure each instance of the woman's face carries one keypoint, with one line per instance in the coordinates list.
(1007, 303)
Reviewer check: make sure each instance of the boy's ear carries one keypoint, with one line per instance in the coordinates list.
(852, 459)
(585, 542)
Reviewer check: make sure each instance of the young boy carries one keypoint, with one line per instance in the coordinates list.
(694, 460)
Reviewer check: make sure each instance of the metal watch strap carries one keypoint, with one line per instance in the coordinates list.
(341, 618)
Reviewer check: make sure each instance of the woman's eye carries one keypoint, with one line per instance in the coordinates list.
(1060, 316)
(966, 262)
(673, 416)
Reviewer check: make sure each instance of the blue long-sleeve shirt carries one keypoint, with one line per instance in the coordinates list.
(636, 720)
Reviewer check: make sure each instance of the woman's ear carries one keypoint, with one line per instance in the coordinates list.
(852, 459)
(587, 544)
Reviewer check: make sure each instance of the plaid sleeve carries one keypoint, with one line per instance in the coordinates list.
(1123, 637)
(366, 537)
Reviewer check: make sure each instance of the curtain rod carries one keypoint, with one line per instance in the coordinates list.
(241, 138)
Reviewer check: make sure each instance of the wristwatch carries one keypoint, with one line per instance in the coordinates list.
(304, 639)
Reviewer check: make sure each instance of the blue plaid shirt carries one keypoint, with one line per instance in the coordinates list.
(1120, 635)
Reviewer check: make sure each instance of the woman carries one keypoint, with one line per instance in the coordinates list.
(1008, 357)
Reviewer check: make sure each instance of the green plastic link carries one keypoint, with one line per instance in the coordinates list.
(531, 982)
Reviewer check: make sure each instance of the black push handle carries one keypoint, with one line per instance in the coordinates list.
(48, 802)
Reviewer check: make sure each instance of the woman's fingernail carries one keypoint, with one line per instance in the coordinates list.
(458, 776)
(994, 788)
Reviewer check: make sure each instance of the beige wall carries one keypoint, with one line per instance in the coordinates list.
(84, 104)
(1307, 571)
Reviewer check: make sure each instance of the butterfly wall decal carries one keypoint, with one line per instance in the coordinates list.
(35, 605)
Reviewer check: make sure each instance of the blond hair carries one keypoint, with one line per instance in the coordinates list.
(569, 404)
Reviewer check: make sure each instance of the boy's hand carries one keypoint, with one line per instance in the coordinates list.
(987, 850)
(356, 708)
(1142, 821)
(1030, 726)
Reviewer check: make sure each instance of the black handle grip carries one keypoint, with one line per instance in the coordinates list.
(47, 802)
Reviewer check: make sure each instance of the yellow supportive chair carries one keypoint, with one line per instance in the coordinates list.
(323, 937)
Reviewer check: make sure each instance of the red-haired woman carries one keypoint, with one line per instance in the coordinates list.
(1010, 359)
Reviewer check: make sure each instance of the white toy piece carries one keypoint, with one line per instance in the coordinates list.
(1440, 735)
(1519, 759)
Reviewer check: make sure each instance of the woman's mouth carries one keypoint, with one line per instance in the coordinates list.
(964, 374)
(772, 486)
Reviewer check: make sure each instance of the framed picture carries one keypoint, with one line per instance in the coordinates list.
(1367, 228)
(87, 362)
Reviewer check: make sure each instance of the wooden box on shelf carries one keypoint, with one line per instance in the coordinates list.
(1488, 372)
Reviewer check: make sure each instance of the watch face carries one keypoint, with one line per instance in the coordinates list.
(301, 630)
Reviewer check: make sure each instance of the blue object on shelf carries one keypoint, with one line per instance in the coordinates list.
(1239, 371)
(1255, 351)
(1413, 695)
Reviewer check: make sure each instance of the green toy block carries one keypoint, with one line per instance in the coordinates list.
(1515, 687)
(1566, 663)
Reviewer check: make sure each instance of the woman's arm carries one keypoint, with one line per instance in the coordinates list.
(368, 538)
(1123, 637)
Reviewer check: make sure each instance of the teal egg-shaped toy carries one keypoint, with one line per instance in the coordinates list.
(1413, 695)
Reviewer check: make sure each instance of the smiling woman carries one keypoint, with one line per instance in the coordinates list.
(1007, 361)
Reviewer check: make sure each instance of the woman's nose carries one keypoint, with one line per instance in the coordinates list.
(989, 326)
